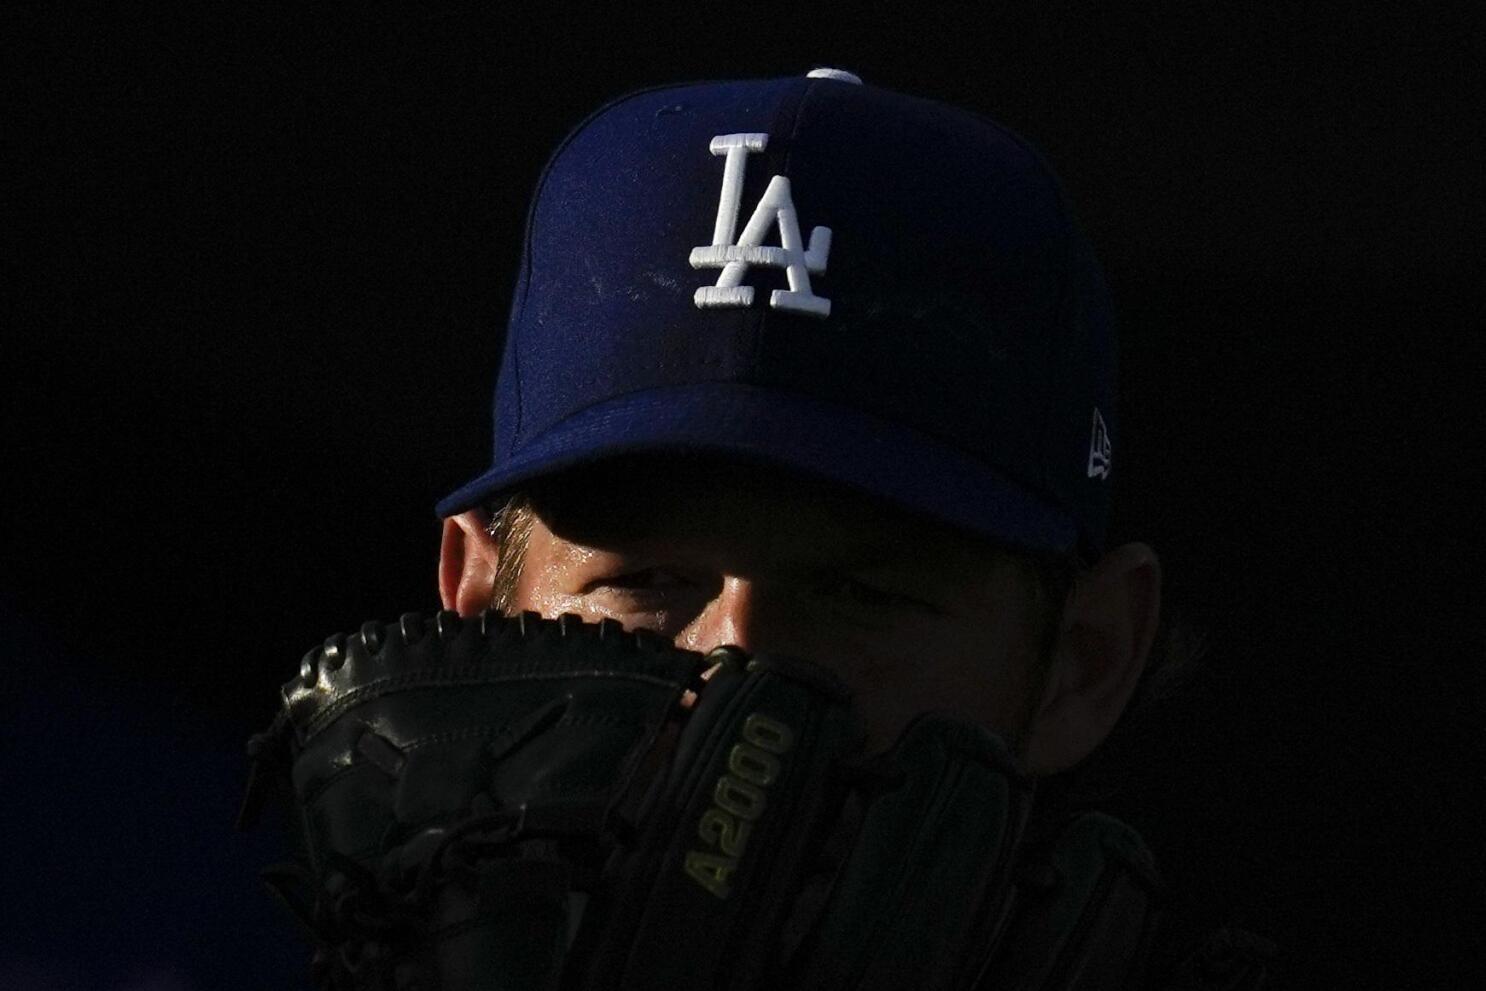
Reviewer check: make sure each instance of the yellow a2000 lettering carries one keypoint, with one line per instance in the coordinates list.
(739, 798)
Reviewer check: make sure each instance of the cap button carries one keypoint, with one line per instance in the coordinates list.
(838, 74)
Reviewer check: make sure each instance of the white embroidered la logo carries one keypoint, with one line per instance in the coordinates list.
(1099, 448)
(776, 207)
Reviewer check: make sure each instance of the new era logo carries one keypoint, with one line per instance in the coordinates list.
(1099, 449)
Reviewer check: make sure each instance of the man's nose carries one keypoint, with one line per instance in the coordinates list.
(733, 616)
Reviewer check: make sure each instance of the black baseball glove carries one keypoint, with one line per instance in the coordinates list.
(519, 803)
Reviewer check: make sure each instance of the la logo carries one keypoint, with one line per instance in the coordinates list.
(734, 258)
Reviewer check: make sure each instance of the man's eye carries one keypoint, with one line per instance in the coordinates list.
(644, 580)
(863, 595)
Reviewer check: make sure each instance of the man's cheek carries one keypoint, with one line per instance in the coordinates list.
(553, 602)
(593, 608)
(549, 602)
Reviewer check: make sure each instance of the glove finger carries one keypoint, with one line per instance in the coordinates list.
(923, 892)
(746, 799)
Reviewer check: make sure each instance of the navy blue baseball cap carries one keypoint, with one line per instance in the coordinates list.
(811, 272)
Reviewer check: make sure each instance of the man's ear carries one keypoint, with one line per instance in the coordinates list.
(467, 560)
(1108, 626)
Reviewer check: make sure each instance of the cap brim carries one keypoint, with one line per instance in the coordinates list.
(835, 443)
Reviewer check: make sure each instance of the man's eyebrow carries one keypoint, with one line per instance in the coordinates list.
(878, 555)
(942, 556)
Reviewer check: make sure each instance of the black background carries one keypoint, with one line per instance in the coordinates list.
(256, 270)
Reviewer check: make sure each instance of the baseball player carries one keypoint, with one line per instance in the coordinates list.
(806, 369)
